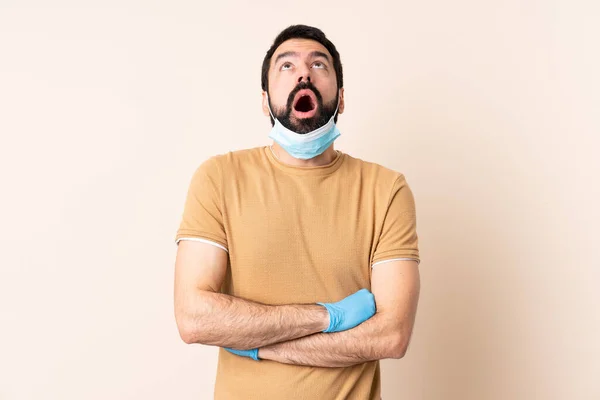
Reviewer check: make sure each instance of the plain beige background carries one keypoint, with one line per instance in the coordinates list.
(490, 108)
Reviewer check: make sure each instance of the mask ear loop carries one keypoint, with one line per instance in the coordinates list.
(338, 105)
(269, 107)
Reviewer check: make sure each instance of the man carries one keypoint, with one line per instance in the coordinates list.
(299, 261)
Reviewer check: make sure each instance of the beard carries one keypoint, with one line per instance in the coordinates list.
(304, 125)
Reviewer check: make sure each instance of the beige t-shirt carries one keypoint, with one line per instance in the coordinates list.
(298, 235)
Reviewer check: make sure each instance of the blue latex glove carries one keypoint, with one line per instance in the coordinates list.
(351, 311)
(245, 353)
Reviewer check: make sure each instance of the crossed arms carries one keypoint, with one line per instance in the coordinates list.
(291, 333)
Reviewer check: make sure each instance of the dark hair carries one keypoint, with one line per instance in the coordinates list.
(302, 32)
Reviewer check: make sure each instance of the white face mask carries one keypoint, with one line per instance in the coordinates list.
(307, 145)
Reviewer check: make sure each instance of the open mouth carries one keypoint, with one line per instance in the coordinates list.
(305, 104)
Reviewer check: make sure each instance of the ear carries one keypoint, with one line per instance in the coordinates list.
(341, 106)
(265, 104)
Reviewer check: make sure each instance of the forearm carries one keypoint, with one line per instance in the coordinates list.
(222, 320)
(372, 340)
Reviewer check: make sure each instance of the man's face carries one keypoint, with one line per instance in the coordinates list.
(302, 85)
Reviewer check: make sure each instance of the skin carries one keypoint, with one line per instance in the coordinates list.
(301, 64)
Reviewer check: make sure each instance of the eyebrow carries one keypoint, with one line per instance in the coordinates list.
(316, 54)
(286, 54)
(313, 54)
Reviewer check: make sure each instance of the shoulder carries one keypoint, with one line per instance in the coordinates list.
(214, 170)
(374, 171)
(237, 158)
(224, 162)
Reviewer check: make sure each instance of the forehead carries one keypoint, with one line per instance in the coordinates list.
(302, 46)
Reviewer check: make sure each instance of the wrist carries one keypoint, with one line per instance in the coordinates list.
(323, 318)
(266, 353)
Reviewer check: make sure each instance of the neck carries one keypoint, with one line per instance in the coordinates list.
(322, 159)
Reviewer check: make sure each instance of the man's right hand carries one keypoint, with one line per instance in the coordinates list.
(351, 311)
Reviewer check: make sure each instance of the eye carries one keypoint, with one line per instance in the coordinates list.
(286, 66)
(318, 64)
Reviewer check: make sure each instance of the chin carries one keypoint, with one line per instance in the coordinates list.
(306, 125)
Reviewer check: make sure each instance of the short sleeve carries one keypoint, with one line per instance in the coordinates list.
(202, 217)
(398, 239)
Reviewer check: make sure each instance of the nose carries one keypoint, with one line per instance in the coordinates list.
(304, 73)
